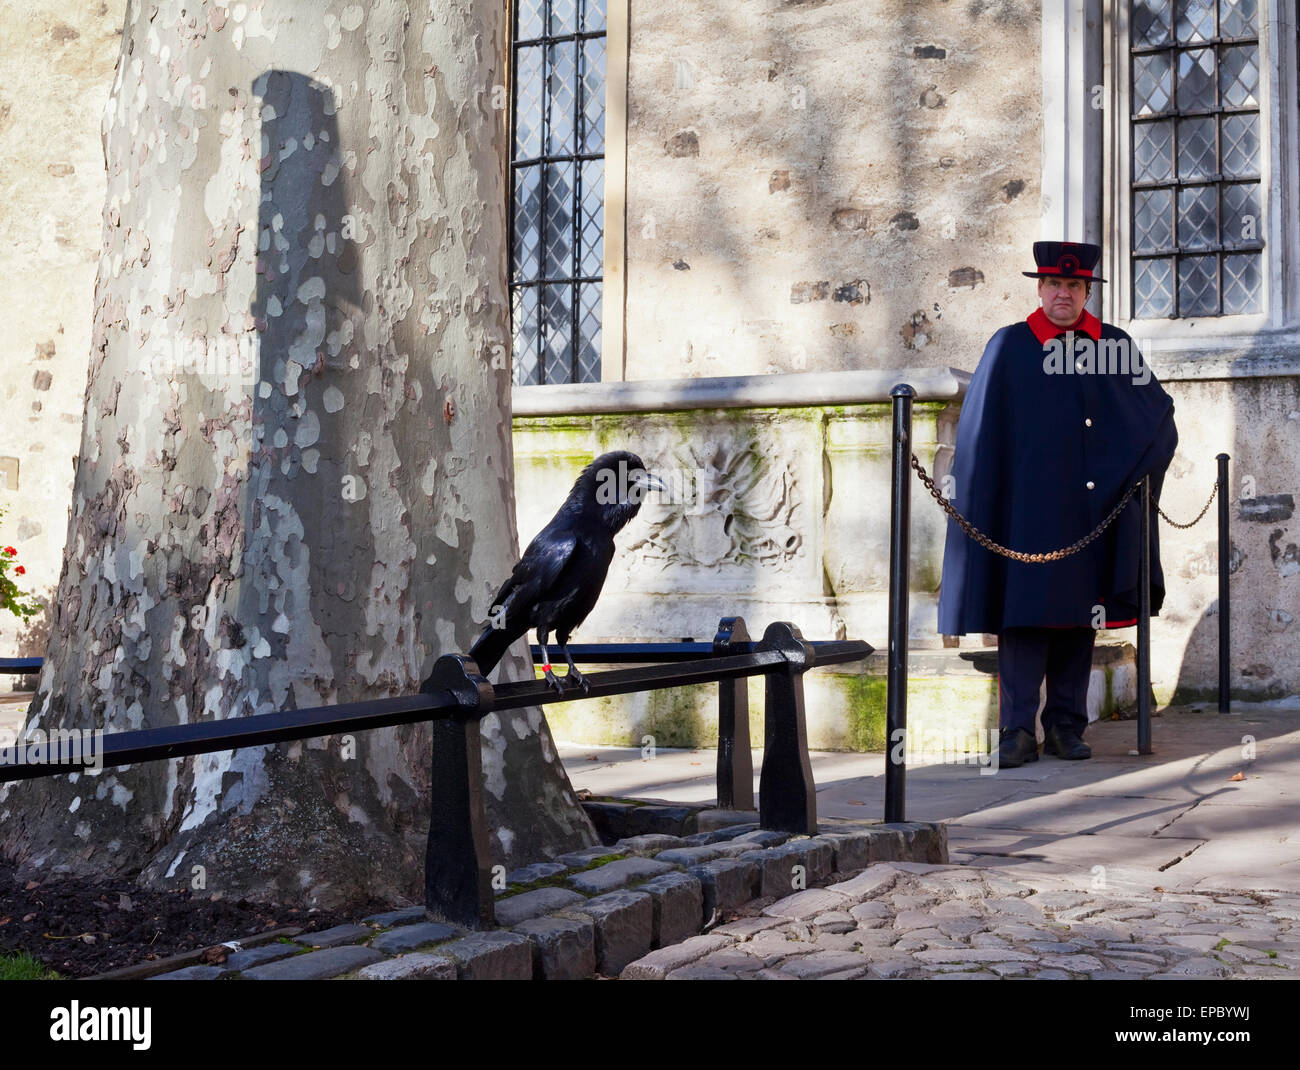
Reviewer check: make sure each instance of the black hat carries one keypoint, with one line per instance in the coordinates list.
(1065, 259)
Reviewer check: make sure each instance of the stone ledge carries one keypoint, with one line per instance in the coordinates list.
(623, 922)
(788, 390)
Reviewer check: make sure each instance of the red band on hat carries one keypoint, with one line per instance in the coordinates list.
(1078, 273)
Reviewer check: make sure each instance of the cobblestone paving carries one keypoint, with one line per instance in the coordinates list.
(587, 913)
(590, 914)
(913, 920)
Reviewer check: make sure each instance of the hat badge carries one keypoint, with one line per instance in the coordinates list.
(1068, 264)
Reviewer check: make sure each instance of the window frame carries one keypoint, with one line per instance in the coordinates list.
(613, 267)
(1279, 174)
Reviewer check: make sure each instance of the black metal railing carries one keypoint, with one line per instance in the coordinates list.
(21, 666)
(735, 766)
(456, 697)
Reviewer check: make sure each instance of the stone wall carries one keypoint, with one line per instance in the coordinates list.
(771, 512)
(828, 185)
(56, 67)
(1257, 422)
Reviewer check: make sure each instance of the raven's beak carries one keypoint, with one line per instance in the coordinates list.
(644, 479)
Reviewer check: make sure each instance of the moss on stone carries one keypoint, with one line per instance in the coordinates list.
(560, 880)
(864, 710)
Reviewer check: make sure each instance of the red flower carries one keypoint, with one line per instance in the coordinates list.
(20, 570)
(11, 551)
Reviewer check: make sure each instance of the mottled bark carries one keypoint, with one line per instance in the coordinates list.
(295, 481)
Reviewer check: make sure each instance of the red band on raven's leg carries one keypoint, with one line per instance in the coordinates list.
(546, 667)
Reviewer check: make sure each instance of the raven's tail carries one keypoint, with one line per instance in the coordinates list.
(490, 648)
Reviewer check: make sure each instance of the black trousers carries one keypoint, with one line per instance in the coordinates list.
(1025, 656)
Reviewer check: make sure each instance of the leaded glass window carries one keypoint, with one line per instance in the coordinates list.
(557, 185)
(1197, 196)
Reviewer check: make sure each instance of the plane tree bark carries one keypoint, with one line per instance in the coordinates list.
(295, 476)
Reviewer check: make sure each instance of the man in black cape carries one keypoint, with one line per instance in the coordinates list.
(1062, 416)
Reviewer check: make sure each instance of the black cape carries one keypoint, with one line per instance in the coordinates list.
(1024, 461)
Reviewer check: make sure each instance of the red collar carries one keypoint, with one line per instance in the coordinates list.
(1045, 330)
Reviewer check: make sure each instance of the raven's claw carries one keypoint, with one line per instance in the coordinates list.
(554, 681)
(578, 679)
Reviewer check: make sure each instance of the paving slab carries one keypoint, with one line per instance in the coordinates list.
(808, 904)
(702, 973)
(335, 937)
(822, 963)
(1075, 811)
(658, 964)
(1071, 853)
(871, 882)
(491, 956)
(710, 820)
(402, 916)
(418, 967)
(584, 857)
(678, 907)
(648, 843)
(192, 973)
(255, 956)
(409, 937)
(618, 874)
(315, 965)
(517, 908)
(564, 949)
(727, 883)
(536, 872)
(1229, 817)
(623, 923)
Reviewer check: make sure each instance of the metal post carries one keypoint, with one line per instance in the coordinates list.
(457, 862)
(1144, 621)
(1225, 568)
(900, 516)
(735, 763)
(787, 794)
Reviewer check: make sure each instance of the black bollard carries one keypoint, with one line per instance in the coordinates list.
(1225, 566)
(787, 795)
(457, 863)
(735, 763)
(1144, 621)
(900, 522)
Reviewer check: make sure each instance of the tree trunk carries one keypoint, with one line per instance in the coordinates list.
(295, 478)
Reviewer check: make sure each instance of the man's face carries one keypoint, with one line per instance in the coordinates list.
(1062, 299)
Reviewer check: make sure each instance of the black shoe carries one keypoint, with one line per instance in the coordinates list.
(1065, 743)
(1016, 747)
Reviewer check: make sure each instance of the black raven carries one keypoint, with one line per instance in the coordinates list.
(558, 580)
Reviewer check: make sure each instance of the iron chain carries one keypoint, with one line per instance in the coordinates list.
(1193, 523)
(1054, 555)
(1016, 555)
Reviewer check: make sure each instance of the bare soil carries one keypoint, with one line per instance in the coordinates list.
(80, 928)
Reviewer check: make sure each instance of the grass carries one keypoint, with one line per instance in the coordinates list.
(22, 967)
